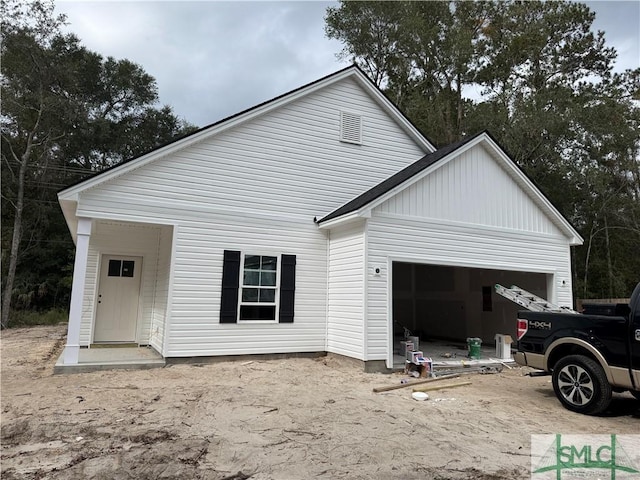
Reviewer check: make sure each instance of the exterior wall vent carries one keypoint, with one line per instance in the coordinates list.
(350, 128)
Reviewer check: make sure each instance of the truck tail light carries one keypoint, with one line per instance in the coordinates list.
(523, 326)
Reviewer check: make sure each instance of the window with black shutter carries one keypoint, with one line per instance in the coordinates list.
(287, 288)
(230, 281)
(257, 288)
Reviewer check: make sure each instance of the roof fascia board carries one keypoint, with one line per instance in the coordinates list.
(342, 220)
(123, 168)
(68, 207)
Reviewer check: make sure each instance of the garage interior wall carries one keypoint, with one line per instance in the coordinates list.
(453, 303)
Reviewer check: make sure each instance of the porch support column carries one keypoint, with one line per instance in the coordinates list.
(72, 349)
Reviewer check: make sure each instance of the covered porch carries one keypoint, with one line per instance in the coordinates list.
(119, 296)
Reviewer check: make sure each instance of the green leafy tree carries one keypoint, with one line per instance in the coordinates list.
(423, 54)
(538, 77)
(66, 113)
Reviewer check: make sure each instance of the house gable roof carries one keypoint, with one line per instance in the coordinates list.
(392, 182)
(354, 72)
(362, 205)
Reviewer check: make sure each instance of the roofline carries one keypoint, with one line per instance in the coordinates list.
(392, 108)
(384, 194)
(182, 142)
(330, 221)
(341, 220)
(577, 240)
(465, 145)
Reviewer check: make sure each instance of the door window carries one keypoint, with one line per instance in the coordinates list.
(121, 268)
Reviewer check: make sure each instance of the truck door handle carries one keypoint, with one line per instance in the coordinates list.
(638, 335)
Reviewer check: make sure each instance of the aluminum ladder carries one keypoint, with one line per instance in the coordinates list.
(530, 301)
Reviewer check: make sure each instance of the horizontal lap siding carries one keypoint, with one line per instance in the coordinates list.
(289, 160)
(195, 328)
(256, 188)
(429, 241)
(345, 329)
(121, 239)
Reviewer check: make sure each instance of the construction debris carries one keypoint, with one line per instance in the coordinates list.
(428, 388)
(417, 382)
(420, 396)
(484, 369)
(503, 363)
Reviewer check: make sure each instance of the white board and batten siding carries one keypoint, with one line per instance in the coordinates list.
(346, 302)
(472, 188)
(468, 213)
(254, 188)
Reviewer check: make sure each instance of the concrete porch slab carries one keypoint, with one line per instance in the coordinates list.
(94, 359)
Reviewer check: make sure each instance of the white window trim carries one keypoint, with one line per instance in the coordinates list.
(277, 288)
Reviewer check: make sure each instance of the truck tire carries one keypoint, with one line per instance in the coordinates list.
(581, 385)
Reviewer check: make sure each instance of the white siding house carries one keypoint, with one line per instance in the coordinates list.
(277, 230)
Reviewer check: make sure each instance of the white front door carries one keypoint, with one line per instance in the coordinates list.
(118, 299)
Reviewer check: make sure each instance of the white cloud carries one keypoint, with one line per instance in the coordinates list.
(211, 59)
(620, 22)
(214, 59)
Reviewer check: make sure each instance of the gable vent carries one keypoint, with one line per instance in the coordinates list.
(350, 128)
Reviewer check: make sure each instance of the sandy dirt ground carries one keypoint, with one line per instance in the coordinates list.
(269, 419)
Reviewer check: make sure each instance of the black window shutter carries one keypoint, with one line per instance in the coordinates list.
(287, 288)
(230, 284)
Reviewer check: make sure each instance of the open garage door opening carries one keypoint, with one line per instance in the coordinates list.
(453, 303)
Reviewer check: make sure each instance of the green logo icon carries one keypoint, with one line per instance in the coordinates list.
(581, 456)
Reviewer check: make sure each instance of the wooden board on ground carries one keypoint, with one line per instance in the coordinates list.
(440, 387)
(410, 384)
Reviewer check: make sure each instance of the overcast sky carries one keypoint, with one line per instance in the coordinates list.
(213, 59)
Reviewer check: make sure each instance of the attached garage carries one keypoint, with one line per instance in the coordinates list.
(428, 244)
(453, 303)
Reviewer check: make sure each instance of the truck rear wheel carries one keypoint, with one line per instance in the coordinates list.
(581, 385)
